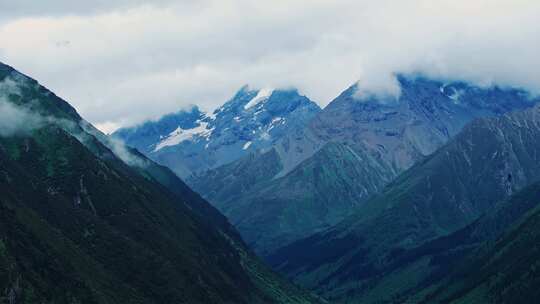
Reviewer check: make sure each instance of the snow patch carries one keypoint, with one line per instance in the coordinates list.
(265, 136)
(262, 95)
(442, 88)
(246, 145)
(275, 121)
(180, 135)
(456, 94)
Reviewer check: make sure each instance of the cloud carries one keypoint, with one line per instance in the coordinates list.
(10, 10)
(16, 120)
(119, 148)
(127, 61)
(20, 120)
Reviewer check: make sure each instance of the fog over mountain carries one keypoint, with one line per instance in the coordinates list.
(122, 62)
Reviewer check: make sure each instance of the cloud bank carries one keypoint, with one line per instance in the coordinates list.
(120, 62)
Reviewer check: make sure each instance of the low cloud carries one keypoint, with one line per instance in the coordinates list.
(127, 61)
(119, 148)
(20, 120)
(16, 120)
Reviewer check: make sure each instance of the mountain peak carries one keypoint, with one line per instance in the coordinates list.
(251, 99)
(262, 95)
(250, 120)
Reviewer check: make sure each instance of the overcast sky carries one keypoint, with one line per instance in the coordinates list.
(121, 62)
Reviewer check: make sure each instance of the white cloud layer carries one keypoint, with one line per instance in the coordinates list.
(120, 62)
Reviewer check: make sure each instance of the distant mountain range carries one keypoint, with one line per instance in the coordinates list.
(385, 199)
(191, 142)
(388, 248)
(84, 219)
(314, 177)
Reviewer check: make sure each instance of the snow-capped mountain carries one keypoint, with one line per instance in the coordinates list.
(315, 176)
(191, 141)
(401, 130)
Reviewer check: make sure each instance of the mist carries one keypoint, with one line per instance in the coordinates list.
(16, 120)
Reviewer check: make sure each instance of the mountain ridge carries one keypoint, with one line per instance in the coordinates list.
(374, 141)
(490, 159)
(191, 142)
(81, 225)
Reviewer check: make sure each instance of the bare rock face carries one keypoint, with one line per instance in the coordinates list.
(401, 130)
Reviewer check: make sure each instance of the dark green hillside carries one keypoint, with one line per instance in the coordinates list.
(85, 221)
(228, 183)
(313, 196)
(414, 273)
(489, 160)
(501, 271)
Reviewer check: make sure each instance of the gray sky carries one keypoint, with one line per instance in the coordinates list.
(122, 61)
